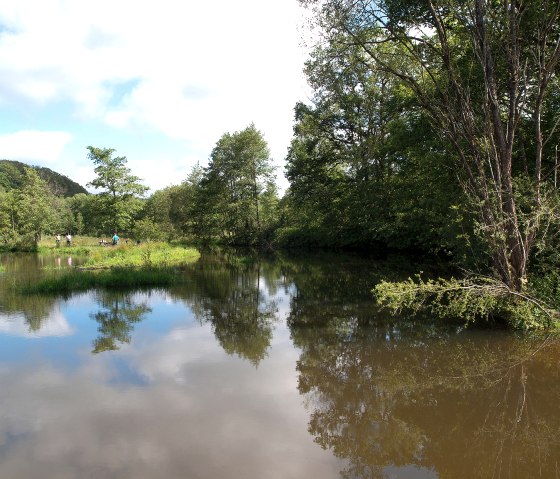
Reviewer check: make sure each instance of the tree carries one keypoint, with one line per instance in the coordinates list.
(7, 217)
(118, 203)
(484, 73)
(361, 152)
(34, 212)
(84, 214)
(230, 194)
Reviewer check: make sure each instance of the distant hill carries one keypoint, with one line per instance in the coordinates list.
(11, 177)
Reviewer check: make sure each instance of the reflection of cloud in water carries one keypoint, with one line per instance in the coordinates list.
(167, 358)
(227, 419)
(55, 324)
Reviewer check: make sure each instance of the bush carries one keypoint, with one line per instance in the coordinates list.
(470, 300)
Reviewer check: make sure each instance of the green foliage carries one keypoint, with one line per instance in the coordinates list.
(147, 229)
(489, 154)
(228, 197)
(365, 167)
(116, 207)
(468, 301)
(86, 216)
(27, 212)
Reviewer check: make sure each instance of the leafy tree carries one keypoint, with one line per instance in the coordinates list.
(159, 211)
(84, 212)
(147, 229)
(33, 212)
(118, 203)
(359, 157)
(184, 212)
(7, 218)
(228, 203)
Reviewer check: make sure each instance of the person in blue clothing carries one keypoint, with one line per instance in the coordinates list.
(115, 239)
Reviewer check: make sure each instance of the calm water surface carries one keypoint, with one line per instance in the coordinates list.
(264, 369)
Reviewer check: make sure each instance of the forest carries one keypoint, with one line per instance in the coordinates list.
(432, 131)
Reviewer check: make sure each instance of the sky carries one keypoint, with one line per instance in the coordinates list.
(160, 82)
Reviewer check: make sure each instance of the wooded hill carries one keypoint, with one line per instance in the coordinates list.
(12, 176)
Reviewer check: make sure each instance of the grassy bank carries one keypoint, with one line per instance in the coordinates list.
(122, 266)
(124, 255)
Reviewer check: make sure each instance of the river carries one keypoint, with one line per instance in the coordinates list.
(265, 368)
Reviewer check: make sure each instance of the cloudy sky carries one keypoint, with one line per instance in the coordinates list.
(160, 82)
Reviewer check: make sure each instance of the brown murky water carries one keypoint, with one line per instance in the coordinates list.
(265, 369)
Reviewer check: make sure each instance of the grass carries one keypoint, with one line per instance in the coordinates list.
(124, 255)
(122, 266)
(147, 255)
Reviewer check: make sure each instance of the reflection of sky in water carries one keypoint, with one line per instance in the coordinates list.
(169, 404)
(15, 325)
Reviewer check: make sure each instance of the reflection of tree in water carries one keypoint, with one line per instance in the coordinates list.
(386, 394)
(463, 406)
(117, 319)
(22, 269)
(231, 296)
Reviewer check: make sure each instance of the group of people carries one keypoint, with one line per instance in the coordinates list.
(114, 240)
(68, 238)
(102, 242)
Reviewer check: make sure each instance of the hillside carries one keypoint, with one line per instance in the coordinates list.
(11, 177)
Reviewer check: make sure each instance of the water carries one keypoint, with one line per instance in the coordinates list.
(265, 369)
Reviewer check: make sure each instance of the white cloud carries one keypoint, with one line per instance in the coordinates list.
(244, 55)
(194, 69)
(34, 146)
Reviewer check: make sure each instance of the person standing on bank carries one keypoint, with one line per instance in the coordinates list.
(68, 239)
(57, 237)
(116, 239)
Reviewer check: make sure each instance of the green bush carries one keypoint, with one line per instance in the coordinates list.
(470, 300)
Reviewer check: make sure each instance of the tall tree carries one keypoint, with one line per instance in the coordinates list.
(34, 208)
(233, 184)
(118, 203)
(360, 153)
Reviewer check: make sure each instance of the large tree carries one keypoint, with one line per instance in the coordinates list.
(230, 193)
(484, 73)
(118, 202)
(27, 212)
(360, 153)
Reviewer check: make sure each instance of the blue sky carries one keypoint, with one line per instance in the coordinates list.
(158, 81)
